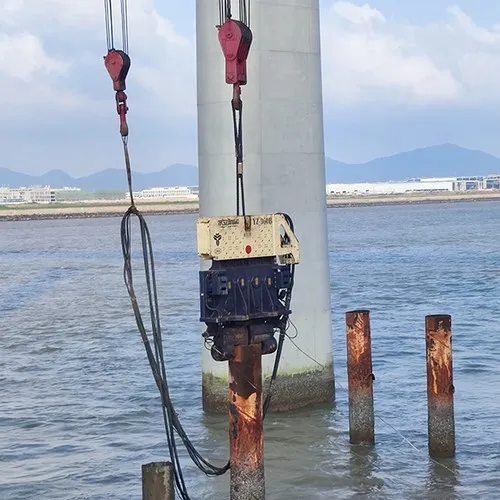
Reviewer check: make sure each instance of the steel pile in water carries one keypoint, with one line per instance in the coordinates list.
(158, 481)
(246, 423)
(440, 389)
(360, 378)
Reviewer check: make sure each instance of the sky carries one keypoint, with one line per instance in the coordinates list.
(397, 75)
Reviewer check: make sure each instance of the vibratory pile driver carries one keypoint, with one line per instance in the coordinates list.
(245, 295)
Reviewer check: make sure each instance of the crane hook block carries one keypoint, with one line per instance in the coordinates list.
(235, 39)
(117, 63)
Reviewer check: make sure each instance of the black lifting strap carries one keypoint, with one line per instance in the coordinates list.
(237, 109)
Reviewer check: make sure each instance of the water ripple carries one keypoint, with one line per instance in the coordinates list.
(79, 412)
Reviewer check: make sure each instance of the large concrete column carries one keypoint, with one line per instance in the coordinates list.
(284, 172)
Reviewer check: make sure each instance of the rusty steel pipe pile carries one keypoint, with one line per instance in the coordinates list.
(360, 378)
(440, 389)
(246, 435)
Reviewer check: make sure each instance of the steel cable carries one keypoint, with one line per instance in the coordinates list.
(225, 11)
(109, 23)
(155, 354)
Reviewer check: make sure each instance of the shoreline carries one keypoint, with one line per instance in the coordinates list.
(411, 199)
(109, 209)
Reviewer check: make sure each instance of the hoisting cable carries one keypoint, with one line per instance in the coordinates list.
(124, 13)
(244, 8)
(108, 16)
(117, 63)
(225, 11)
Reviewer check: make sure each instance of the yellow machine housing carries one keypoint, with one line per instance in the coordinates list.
(247, 237)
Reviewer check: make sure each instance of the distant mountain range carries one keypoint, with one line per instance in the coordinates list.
(109, 179)
(446, 160)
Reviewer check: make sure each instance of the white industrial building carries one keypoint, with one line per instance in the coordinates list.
(67, 189)
(478, 183)
(167, 193)
(371, 188)
(35, 194)
(431, 184)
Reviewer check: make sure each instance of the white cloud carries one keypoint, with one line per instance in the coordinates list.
(356, 14)
(52, 53)
(163, 63)
(368, 57)
(51, 57)
(22, 56)
(29, 76)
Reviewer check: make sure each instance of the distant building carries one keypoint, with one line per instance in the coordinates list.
(478, 183)
(492, 182)
(66, 188)
(431, 184)
(167, 193)
(367, 188)
(35, 194)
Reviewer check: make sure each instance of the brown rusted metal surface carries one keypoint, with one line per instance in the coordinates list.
(440, 389)
(360, 378)
(246, 434)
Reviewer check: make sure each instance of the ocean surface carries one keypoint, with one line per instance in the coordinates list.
(79, 412)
